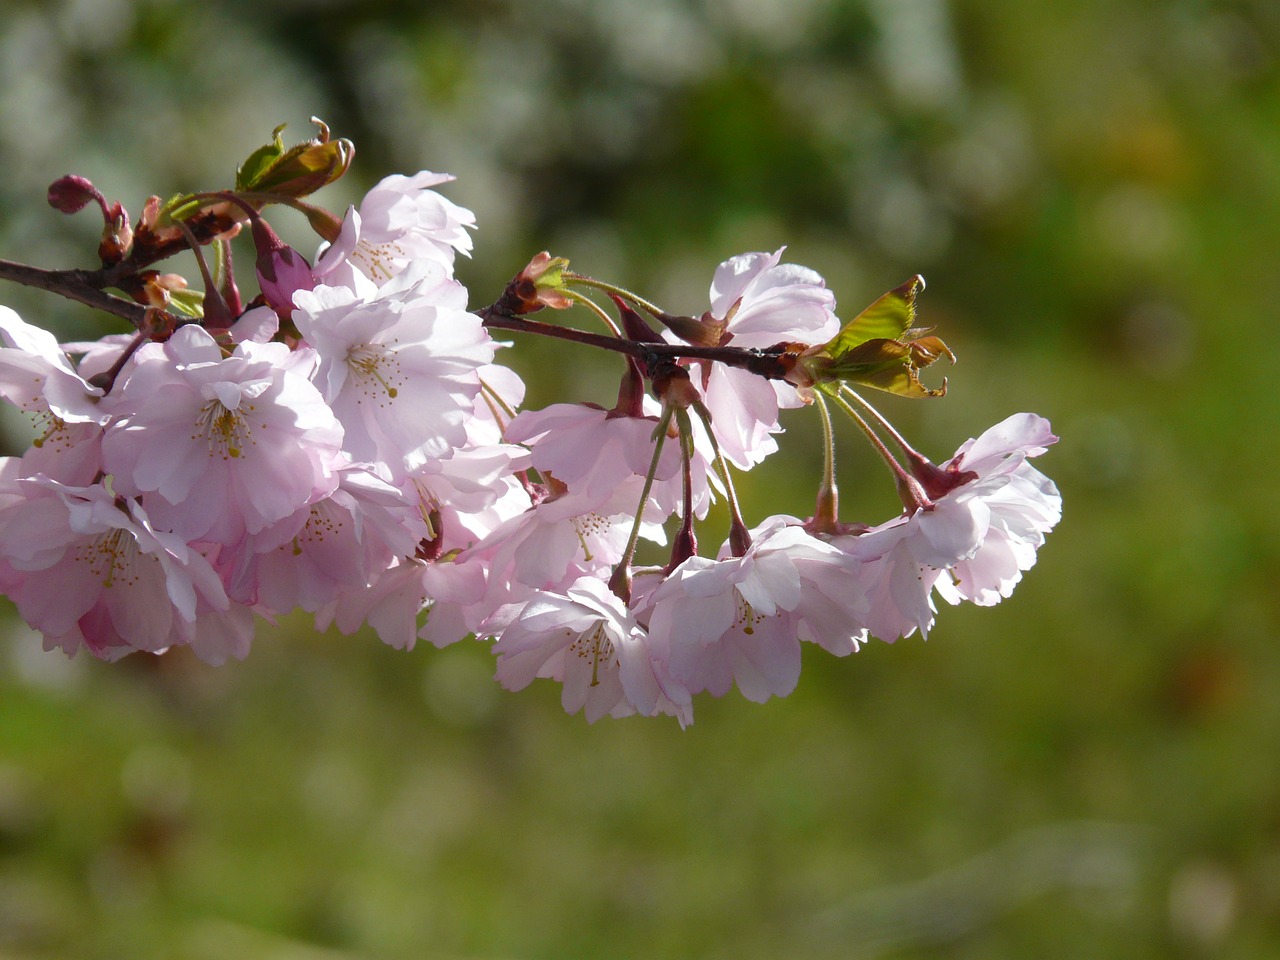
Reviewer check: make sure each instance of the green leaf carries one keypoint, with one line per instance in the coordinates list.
(260, 161)
(888, 318)
(881, 348)
(187, 303)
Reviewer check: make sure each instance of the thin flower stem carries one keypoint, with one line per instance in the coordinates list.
(620, 582)
(493, 397)
(880, 420)
(739, 538)
(215, 311)
(497, 406)
(684, 544)
(594, 308)
(826, 510)
(107, 379)
(586, 281)
(909, 488)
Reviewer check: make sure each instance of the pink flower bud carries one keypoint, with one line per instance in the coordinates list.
(72, 193)
(282, 271)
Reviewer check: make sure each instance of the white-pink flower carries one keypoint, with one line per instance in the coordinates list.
(741, 619)
(588, 640)
(590, 450)
(69, 413)
(1015, 503)
(437, 601)
(89, 570)
(467, 496)
(758, 302)
(342, 542)
(989, 513)
(36, 375)
(221, 447)
(399, 221)
(397, 363)
(556, 542)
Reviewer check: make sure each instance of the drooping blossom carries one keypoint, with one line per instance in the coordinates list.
(741, 619)
(88, 569)
(557, 541)
(342, 542)
(989, 514)
(757, 301)
(220, 447)
(586, 639)
(69, 413)
(591, 450)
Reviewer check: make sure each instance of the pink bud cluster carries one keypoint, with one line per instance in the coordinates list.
(350, 448)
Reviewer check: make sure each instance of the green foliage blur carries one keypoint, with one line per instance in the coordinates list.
(1091, 769)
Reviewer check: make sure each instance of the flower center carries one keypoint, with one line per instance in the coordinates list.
(587, 525)
(378, 259)
(54, 430)
(596, 645)
(226, 431)
(376, 369)
(112, 558)
(745, 617)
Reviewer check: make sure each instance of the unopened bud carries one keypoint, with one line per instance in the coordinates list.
(282, 271)
(72, 193)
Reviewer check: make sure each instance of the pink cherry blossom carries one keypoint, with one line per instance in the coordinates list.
(69, 413)
(36, 375)
(437, 601)
(398, 364)
(342, 542)
(740, 619)
(586, 639)
(557, 541)
(399, 221)
(973, 541)
(758, 302)
(221, 447)
(591, 450)
(1018, 503)
(91, 571)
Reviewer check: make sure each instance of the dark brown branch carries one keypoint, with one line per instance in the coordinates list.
(766, 363)
(83, 286)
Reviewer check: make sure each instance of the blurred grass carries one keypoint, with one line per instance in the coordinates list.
(1087, 770)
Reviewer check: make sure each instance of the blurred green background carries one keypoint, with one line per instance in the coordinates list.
(1091, 769)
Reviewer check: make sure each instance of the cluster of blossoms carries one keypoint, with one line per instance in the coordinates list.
(344, 443)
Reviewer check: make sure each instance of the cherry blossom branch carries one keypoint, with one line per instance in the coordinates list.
(762, 362)
(82, 286)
